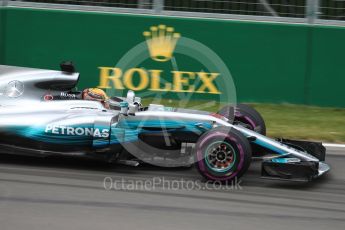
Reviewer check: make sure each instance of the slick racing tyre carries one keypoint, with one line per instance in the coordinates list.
(246, 115)
(222, 154)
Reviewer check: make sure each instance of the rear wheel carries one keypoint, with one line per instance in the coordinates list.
(245, 115)
(222, 154)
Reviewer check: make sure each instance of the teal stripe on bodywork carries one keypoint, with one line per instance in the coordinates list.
(37, 133)
(121, 135)
(129, 130)
(122, 132)
(270, 147)
(167, 124)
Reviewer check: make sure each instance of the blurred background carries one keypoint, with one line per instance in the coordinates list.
(311, 9)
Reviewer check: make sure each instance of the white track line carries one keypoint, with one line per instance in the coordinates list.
(334, 145)
(335, 149)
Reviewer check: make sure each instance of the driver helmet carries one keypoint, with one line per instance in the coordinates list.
(95, 94)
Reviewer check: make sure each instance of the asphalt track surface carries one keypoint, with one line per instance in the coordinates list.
(70, 194)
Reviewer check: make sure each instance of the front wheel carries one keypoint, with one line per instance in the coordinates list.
(222, 154)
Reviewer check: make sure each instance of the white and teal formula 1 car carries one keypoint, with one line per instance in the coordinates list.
(221, 145)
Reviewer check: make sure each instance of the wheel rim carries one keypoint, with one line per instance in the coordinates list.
(220, 156)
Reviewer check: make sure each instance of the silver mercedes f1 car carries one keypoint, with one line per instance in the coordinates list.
(40, 115)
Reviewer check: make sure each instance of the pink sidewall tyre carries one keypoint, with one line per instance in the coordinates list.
(222, 154)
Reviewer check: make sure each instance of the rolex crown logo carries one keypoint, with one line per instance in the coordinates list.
(161, 41)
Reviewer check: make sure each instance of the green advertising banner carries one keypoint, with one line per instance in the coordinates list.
(203, 58)
(2, 34)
